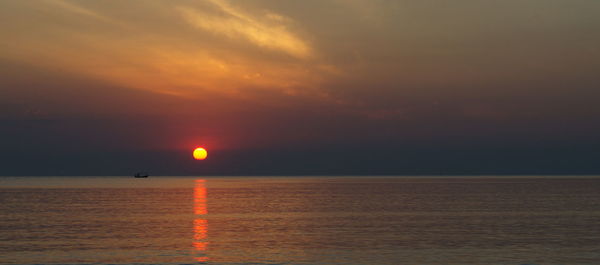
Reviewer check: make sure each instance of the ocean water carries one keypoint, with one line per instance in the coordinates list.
(328, 220)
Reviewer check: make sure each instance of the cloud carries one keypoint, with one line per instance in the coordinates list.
(152, 48)
(267, 32)
(79, 10)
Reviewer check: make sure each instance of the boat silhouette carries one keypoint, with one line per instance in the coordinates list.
(141, 175)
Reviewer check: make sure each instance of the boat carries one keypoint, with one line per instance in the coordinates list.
(141, 175)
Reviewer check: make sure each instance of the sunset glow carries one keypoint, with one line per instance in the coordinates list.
(200, 153)
(299, 83)
(333, 125)
(200, 230)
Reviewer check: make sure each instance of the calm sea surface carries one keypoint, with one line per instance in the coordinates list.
(396, 220)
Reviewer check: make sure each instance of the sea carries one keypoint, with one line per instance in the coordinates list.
(300, 220)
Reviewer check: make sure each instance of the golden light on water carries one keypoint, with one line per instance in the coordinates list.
(200, 153)
(200, 241)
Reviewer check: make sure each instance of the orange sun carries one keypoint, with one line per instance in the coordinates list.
(200, 153)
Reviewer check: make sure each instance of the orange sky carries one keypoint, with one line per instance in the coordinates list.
(233, 75)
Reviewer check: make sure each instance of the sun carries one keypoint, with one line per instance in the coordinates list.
(200, 153)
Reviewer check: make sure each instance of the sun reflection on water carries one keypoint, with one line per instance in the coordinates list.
(200, 241)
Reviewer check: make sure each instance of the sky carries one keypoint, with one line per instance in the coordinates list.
(286, 87)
